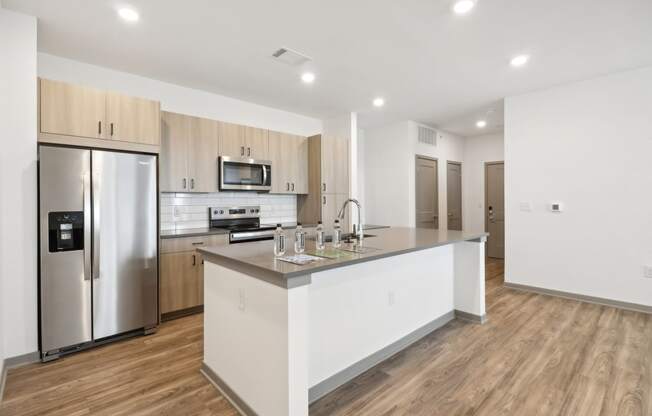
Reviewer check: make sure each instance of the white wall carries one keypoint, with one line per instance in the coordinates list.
(176, 98)
(477, 151)
(589, 146)
(18, 232)
(389, 172)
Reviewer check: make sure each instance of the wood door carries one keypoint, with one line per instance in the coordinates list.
(256, 143)
(72, 110)
(175, 137)
(133, 119)
(278, 149)
(232, 140)
(202, 155)
(300, 167)
(180, 282)
(454, 195)
(426, 193)
(328, 165)
(495, 208)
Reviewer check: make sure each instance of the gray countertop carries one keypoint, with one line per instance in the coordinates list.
(257, 259)
(197, 232)
(192, 232)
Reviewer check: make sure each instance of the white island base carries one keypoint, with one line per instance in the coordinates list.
(272, 350)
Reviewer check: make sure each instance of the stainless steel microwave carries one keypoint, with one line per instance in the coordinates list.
(242, 174)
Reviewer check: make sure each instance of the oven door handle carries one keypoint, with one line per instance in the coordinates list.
(247, 235)
(264, 175)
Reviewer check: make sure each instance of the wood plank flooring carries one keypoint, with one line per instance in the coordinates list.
(537, 355)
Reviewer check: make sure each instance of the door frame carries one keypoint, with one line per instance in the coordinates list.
(454, 162)
(436, 160)
(486, 198)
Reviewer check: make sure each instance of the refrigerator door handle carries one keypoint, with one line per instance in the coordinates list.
(87, 224)
(96, 227)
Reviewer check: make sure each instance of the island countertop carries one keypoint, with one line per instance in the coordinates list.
(257, 259)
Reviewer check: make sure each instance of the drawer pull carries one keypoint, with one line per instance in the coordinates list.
(198, 243)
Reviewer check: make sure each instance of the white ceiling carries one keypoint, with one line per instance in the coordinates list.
(430, 65)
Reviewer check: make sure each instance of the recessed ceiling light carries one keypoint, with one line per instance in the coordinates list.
(519, 60)
(130, 15)
(379, 102)
(463, 6)
(308, 77)
(481, 124)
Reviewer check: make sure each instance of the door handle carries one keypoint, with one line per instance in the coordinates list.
(324, 199)
(287, 186)
(192, 183)
(185, 183)
(194, 260)
(97, 186)
(198, 243)
(323, 185)
(450, 214)
(99, 127)
(241, 150)
(292, 186)
(87, 226)
(111, 129)
(248, 151)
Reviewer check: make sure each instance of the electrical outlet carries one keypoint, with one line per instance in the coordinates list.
(177, 212)
(242, 301)
(391, 298)
(647, 272)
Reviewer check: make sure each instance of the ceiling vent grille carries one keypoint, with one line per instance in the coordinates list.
(427, 136)
(290, 57)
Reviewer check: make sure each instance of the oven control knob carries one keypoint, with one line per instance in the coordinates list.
(221, 211)
(257, 210)
(252, 210)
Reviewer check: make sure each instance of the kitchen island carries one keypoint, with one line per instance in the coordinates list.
(278, 336)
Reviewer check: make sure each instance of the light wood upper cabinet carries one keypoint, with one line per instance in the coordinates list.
(232, 140)
(72, 110)
(173, 159)
(85, 116)
(289, 156)
(133, 119)
(256, 143)
(334, 165)
(204, 150)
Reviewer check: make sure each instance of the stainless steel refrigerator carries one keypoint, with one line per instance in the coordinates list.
(98, 269)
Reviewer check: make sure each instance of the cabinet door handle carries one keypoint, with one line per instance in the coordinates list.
(287, 186)
(192, 183)
(111, 129)
(241, 150)
(324, 199)
(198, 243)
(194, 260)
(185, 183)
(99, 127)
(292, 186)
(248, 151)
(323, 185)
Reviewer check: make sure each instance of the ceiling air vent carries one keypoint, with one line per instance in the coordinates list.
(290, 57)
(427, 136)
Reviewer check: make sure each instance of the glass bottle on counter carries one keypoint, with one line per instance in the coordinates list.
(279, 241)
(319, 240)
(299, 239)
(337, 234)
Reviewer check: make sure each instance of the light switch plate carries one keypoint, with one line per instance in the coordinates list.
(526, 206)
(647, 272)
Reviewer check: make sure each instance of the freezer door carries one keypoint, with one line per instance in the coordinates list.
(65, 247)
(125, 243)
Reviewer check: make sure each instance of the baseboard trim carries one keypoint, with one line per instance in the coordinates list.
(478, 319)
(635, 307)
(168, 316)
(321, 389)
(240, 405)
(13, 362)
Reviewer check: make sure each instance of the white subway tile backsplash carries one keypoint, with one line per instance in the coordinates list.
(181, 211)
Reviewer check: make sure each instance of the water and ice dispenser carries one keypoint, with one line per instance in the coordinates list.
(66, 231)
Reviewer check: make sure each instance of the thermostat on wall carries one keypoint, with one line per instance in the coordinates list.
(556, 207)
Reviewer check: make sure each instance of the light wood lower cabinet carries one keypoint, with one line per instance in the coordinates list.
(182, 273)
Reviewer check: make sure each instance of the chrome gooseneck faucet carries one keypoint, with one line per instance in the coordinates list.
(360, 232)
